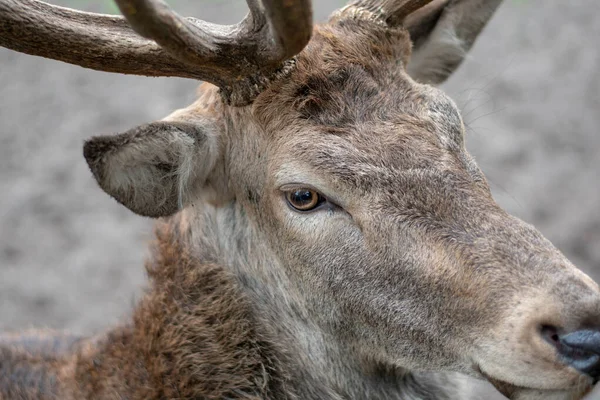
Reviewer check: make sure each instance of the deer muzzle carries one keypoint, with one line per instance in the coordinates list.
(579, 349)
(551, 342)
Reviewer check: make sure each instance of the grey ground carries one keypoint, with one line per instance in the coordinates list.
(71, 258)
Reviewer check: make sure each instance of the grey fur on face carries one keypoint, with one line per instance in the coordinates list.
(407, 274)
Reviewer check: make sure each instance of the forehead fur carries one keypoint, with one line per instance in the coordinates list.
(350, 93)
(352, 70)
(341, 57)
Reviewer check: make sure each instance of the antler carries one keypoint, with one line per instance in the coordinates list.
(393, 12)
(174, 45)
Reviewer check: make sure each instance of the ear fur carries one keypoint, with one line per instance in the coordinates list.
(442, 33)
(153, 168)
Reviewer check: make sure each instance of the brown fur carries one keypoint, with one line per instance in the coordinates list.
(192, 336)
(410, 266)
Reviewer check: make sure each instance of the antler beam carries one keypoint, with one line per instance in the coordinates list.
(263, 40)
(171, 45)
(95, 41)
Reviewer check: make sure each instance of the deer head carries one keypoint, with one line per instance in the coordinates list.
(333, 180)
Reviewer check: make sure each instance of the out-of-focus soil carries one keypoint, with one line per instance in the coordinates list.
(71, 258)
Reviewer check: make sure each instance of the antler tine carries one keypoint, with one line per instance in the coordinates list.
(393, 11)
(258, 42)
(291, 23)
(274, 31)
(153, 19)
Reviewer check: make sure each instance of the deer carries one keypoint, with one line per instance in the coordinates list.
(321, 230)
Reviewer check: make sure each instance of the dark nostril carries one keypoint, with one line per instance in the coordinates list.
(579, 349)
(550, 334)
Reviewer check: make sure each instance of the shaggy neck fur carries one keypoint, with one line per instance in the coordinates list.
(212, 325)
(316, 365)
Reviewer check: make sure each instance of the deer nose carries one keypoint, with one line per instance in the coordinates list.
(579, 349)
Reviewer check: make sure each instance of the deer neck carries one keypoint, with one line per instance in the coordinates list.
(316, 364)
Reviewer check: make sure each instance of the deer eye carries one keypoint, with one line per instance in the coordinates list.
(304, 199)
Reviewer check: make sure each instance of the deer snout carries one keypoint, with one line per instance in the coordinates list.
(579, 349)
(576, 337)
(550, 339)
(575, 334)
(566, 321)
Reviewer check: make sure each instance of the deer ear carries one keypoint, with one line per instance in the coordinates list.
(153, 169)
(442, 33)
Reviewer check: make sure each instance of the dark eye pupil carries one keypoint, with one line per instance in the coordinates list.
(302, 197)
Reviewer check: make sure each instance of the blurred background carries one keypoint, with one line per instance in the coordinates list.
(71, 258)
